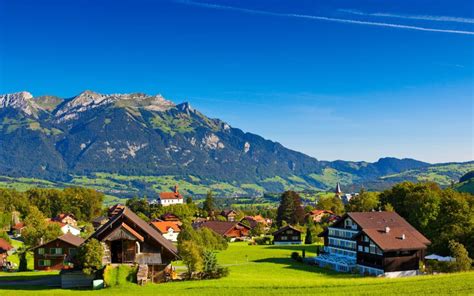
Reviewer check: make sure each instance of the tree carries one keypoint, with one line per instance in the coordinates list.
(209, 205)
(290, 209)
(333, 204)
(23, 264)
(258, 230)
(191, 255)
(308, 240)
(364, 202)
(189, 200)
(37, 230)
(139, 206)
(90, 255)
(463, 262)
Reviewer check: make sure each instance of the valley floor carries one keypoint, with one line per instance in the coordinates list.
(268, 270)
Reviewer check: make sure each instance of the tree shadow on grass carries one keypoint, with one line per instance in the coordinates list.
(295, 265)
(30, 282)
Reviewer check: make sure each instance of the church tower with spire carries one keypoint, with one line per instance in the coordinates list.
(338, 190)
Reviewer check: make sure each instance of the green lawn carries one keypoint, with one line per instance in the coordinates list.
(268, 270)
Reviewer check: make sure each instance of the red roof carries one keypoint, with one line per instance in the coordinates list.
(170, 195)
(4, 245)
(221, 227)
(163, 226)
(18, 226)
(319, 212)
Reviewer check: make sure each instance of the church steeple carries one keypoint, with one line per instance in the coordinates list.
(338, 190)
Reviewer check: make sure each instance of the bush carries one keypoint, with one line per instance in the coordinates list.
(90, 256)
(265, 240)
(120, 275)
(294, 255)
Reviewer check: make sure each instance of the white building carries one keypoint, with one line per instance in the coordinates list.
(170, 198)
(169, 229)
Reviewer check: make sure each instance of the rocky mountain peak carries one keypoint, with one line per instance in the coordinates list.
(21, 100)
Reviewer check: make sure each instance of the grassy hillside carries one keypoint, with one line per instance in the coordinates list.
(441, 174)
(268, 270)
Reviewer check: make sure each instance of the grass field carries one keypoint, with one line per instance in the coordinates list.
(268, 270)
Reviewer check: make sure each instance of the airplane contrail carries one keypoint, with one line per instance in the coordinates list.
(323, 18)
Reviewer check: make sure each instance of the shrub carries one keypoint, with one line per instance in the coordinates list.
(90, 255)
(463, 262)
(265, 240)
(294, 255)
(120, 275)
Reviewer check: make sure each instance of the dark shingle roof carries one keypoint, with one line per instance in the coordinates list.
(400, 236)
(220, 227)
(285, 228)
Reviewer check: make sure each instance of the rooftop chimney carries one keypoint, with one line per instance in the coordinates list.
(403, 236)
(387, 229)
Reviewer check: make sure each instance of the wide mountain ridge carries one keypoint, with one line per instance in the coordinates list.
(136, 134)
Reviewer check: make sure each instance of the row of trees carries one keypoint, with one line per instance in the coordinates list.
(84, 203)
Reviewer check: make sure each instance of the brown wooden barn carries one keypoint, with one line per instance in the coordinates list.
(127, 239)
(58, 253)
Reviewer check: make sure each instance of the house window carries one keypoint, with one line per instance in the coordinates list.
(72, 251)
(284, 237)
(366, 238)
(360, 248)
(44, 262)
(295, 237)
(41, 251)
(56, 251)
(366, 249)
(289, 231)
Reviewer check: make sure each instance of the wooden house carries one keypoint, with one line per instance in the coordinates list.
(232, 230)
(229, 215)
(287, 235)
(127, 239)
(319, 215)
(376, 243)
(58, 253)
(5, 247)
(66, 219)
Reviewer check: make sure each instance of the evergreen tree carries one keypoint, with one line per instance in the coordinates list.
(290, 209)
(308, 240)
(209, 204)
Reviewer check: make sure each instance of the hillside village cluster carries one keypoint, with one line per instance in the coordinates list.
(377, 243)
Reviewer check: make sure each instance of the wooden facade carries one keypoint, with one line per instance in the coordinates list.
(376, 243)
(57, 254)
(127, 239)
(287, 235)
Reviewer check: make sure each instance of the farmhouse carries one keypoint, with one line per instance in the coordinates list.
(170, 198)
(169, 229)
(127, 239)
(287, 235)
(377, 243)
(318, 215)
(255, 220)
(233, 230)
(229, 215)
(66, 219)
(58, 253)
(65, 228)
(5, 247)
(170, 217)
(17, 229)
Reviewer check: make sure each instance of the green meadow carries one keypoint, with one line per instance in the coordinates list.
(268, 270)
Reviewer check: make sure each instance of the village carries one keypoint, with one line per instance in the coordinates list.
(180, 244)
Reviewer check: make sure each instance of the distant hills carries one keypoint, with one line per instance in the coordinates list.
(135, 144)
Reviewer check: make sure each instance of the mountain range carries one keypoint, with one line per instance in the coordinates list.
(129, 144)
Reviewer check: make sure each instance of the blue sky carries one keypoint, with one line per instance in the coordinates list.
(352, 80)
